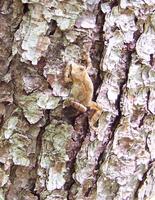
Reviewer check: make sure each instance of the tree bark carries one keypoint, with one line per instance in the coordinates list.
(48, 151)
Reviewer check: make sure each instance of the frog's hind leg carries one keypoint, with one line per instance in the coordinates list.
(78, 106)
(97, 113)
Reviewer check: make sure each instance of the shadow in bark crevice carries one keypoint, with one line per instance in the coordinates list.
(25, 8)
(144, 178)
(38, 151)
(81, 127)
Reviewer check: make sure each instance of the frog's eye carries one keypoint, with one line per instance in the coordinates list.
(81, 69)
(70, 64)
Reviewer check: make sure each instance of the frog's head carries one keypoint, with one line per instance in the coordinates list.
(77, 71)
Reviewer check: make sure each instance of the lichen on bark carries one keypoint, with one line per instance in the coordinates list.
(48, 151)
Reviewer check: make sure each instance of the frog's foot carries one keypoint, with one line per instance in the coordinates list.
(67, 102)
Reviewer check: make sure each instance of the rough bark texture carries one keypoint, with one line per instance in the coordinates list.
(49, 152)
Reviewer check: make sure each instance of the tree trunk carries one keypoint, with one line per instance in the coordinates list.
(49, 151)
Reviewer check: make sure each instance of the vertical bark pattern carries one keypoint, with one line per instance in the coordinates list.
(49, 152)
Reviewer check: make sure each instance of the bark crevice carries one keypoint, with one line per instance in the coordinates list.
(143, 180)
(38, 150)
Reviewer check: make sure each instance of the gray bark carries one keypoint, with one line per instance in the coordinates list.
(49, 152)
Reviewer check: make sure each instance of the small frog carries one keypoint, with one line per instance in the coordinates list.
(82, 90)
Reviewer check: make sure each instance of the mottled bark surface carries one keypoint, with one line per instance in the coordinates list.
(49, 152)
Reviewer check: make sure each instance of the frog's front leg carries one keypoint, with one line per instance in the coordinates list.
(72, 102)
(67, 74)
